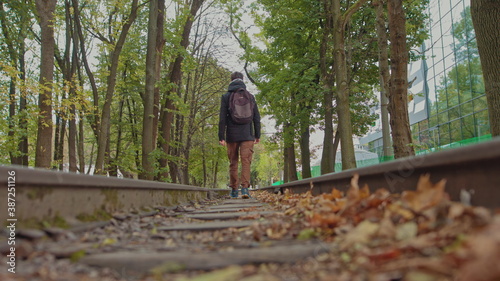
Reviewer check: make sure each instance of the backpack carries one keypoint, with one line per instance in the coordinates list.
(241, 106)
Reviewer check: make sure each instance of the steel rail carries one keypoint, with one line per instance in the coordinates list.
(470, 171)
(35, 195)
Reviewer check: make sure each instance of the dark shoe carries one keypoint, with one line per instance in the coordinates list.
(244, 193)
(234, 193)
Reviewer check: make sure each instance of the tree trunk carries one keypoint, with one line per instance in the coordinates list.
(147, 172)
(23, 123)
(327, 157)
(80, 149)
(289, 152)
(383, 60)
(336, 143)
(160, 43)
(72, 130)
(43, 154)
(133, 130)
(292, 167)
(119, 136)
(60, 132)
(72, 133)
(105, 125)
(305, 153)
(190, 128)
(487, 27)
(14, 158)
(398, 95)
(286, 170)
(216, 172)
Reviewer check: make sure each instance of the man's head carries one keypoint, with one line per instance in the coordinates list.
(236, 75)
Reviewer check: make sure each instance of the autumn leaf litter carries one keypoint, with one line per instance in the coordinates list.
(416, 235)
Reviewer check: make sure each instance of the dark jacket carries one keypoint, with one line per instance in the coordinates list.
(228, 130)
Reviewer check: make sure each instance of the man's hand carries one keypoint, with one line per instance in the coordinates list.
(222, 142)
(257, 140)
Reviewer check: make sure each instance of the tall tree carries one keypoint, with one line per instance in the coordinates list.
(73, 84)
(487, 26)
(398, 89)
(327, 79)
(105, 120)
(287, 75)
(45, 10)
(94, 116)
(149, 93)
(341, 81)
(175, 79)
(66, 111)
(295, 73)
(383, 49)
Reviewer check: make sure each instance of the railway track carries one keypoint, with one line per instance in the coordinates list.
(77, 227)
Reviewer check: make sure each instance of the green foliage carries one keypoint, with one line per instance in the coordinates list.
(417, 21)
(207, 160)
(267, 163)
(288, 69)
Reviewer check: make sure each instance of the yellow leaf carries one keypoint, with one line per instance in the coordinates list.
(406, 231)
(364, 192)
(108, 241)
(427, 194)
(361, 233)
(307, 233)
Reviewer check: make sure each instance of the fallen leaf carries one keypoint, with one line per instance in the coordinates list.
(406, 231)
(360, 234)
(335, 194)
(326, 220)
(384, 255)
(482, 254)
(386, 229)
(426, 195)
(108, 241)
(353, 192)
(364, 192)
(307, 233)
(399, 210)
(456, 210)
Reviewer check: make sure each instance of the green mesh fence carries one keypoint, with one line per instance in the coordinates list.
(316, 170)
(455, 144)
(364, 163)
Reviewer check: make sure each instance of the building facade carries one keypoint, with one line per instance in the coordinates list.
(447, 103)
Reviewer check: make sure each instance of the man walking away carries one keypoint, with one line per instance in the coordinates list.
(239, 130)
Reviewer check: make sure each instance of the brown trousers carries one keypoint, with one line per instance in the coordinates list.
(235, 151)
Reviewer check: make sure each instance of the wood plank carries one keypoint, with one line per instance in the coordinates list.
(236, 206)
(208, 225)
(137, 262)
(226, 216)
